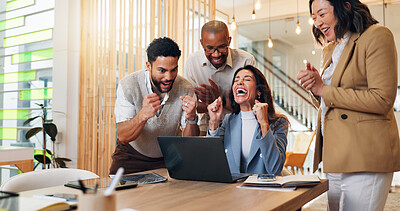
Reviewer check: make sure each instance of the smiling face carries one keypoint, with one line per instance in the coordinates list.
(219, 42)
(324, 18)
(163, 72)
(244, 89)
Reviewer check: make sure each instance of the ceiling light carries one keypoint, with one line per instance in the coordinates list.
(270, 43)
(253, 14)
(233, 24)
(258, 4)
(305, 61)
(313, 52)
(298, 28)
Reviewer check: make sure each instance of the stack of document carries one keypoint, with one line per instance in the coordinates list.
(286, 181)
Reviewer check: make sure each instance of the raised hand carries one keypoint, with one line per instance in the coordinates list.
(261, 112)
(215, 112)
(151, 104)
(207, 93)
(189, 106)
(310, 79)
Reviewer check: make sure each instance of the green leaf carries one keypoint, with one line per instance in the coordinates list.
(61, 163)
(41, 105)
(39, 158)
(63, 159)
(51, 130)
(30, 120)
(32, 132)
(49, 152)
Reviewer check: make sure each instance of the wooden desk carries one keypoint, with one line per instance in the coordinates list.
(193, 195)
(22, 157)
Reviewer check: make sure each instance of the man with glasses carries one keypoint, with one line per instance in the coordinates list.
(211, 69)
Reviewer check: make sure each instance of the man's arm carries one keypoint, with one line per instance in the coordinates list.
(191, 130)
(208, 94)
(189, 105)
(129, 130)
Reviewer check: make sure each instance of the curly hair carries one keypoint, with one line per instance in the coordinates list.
(162, 46)
(265, 97)
(352, 15)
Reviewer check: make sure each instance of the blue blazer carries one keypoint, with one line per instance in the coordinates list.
(267, 154)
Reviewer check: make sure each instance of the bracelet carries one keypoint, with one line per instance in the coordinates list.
(196, 119)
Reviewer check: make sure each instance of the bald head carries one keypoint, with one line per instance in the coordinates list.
(214, 27)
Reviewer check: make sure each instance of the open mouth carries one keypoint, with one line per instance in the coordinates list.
(325, 30)
(217, 60)
(165, 85)
(240, 92)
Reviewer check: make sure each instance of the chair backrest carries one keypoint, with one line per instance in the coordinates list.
(303, 142)
(44, 178)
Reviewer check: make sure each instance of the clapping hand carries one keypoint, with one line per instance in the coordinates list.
(310, 79)
(207, 93)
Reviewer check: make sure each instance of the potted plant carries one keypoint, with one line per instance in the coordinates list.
(49, 128)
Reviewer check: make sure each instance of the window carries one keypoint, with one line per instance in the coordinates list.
(26, 60)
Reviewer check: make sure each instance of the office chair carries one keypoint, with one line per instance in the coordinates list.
(300, 151)
(44, 178)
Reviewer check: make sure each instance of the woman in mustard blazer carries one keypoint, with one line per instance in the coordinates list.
(357, 136)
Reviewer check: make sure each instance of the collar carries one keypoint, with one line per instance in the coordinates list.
(228, 62)
(149, 89)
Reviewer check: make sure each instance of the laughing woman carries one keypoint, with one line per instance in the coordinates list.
(254, 135)
(357, 137)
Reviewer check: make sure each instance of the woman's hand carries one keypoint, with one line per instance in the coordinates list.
(311, 80)
(215, 112)
(261, 112)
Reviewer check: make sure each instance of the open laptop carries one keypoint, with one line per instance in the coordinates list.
(197, 158)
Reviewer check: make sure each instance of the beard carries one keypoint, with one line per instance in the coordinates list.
(157, 85)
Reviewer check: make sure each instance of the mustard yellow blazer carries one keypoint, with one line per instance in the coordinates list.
(360, 130)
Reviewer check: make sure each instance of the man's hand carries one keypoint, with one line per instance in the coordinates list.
(215, 112)
(207, 93)
(189, 106)
(151, 104)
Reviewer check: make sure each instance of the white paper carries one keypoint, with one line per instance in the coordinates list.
(279, 189)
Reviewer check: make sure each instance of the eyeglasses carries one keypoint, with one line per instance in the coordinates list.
(220, 49)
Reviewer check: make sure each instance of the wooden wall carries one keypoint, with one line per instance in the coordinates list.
(114, 36)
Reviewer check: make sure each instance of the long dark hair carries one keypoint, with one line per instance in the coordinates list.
(265, 97)
(355, 17)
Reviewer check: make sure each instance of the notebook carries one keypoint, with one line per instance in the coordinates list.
(197, 158)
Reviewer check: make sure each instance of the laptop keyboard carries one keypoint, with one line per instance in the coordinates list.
(144, 178)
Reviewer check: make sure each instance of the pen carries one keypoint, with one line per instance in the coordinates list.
(95, 189)
(114, 182)
(83, 188)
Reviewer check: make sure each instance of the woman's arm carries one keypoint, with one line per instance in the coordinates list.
(273, 146)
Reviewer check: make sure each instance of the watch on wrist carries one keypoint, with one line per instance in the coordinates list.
(196, 119)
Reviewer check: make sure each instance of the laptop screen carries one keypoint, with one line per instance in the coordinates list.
(198, 158)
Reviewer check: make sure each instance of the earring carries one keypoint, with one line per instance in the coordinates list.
(259, 97)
